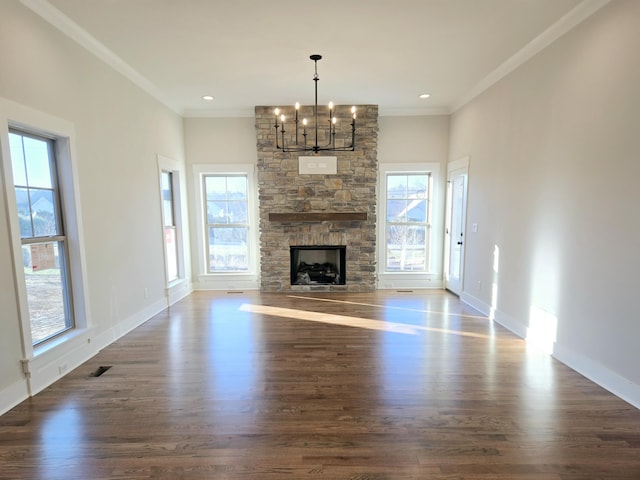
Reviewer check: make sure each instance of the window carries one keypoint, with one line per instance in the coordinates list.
(226, 210)
(169, 223)
(407, 222)
(42, 234)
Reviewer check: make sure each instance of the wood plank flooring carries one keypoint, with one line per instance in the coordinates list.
(377, 386)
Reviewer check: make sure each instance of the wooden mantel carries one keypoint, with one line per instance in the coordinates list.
(318, 217)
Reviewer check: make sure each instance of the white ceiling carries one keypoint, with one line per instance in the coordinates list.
(256, 52)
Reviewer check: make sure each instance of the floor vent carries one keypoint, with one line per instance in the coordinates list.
(404, 291)
(99, 371)
(234, 291)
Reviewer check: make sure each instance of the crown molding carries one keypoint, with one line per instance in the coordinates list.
(71, 29)
(574, 17)
(83, 38)
(219, 113)
(413, 112)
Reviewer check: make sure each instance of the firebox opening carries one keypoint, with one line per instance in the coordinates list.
(318, 265)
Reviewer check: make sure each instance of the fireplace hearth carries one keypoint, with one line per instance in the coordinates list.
(318, 265)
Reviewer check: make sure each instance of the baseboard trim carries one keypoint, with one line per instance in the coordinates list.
(46, 369)
(13, 395)
(607, 379)
(611, 381)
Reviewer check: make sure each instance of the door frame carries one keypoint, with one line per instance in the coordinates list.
(457, 167)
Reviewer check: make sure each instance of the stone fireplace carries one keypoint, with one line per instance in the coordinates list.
(312, 210)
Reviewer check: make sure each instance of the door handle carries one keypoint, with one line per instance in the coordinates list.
(459, 243)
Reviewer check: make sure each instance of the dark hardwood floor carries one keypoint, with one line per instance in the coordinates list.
(386, 385)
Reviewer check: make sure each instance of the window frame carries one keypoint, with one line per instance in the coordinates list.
(179, 286)
(171, 226)
(59, 237)
(408, 278)
(213, 225)
(233, 279)
(426, 224)
(43, 363)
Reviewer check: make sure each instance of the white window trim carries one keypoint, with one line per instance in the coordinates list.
(226, 280)
(178, 288)
(43, 364)
(433, 277)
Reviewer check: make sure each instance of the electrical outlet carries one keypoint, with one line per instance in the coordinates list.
(62, 369)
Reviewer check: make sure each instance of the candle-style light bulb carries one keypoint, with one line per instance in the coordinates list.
(330, 105)
(353, 109)
(304, 122)
(277, 111)
(297, 105)
(334, 120)
(282, 118)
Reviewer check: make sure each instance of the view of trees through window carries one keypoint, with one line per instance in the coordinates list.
(407, 222)
(227, 223)
(42, 234)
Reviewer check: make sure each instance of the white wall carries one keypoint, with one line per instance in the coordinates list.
(221, 141)
(554, 174)
(119, 131)
(416, 139)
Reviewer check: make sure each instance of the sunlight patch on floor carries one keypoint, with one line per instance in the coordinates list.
(432, 312)
(352, 321)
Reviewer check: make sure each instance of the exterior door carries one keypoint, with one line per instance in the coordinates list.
(455, 228)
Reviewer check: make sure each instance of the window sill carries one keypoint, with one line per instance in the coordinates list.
(70, 339)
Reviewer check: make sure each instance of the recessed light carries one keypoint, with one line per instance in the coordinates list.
(425, 95)
(207, 98)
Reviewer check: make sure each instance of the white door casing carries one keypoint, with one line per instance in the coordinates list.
(455, 230)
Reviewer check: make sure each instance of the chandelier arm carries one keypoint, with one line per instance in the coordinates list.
(331, 140)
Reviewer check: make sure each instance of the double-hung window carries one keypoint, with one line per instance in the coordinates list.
(226, 210)
(408, 222)
(167, 189)
(42, 234)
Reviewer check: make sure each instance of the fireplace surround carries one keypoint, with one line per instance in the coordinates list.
(309, 210)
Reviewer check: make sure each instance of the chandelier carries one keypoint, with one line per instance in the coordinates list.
(302, 145)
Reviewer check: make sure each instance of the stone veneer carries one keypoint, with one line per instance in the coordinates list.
(283, 190)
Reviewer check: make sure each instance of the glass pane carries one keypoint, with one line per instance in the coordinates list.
(17, 160)
(37, 160)
(228, 249)
(237, 212)
(24, 212)
(417, 210)
(217, 212)
(237, 188)
(172, 253)
(43, 213)
(167, 199)
(417, 186)
(396, 186)
(406, 248)
(216, 188)
(396, 210)
(45, 292)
